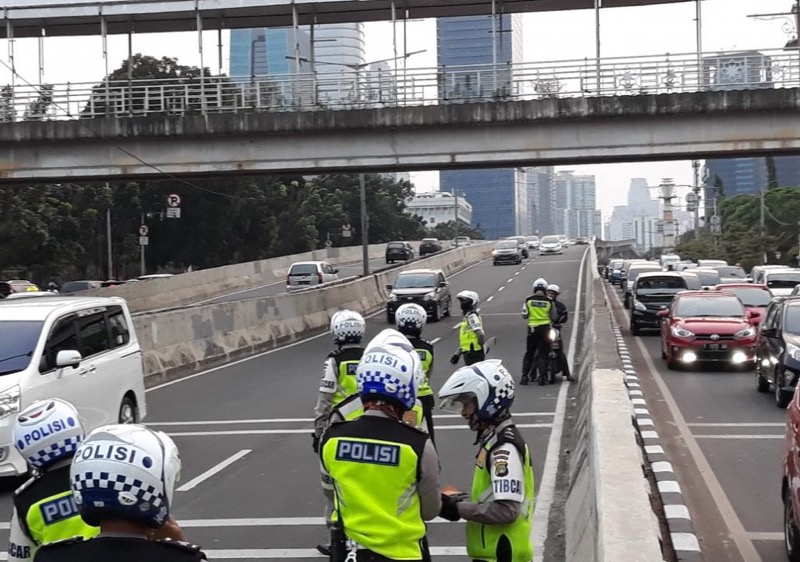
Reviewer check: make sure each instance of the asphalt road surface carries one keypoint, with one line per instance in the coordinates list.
(250, 481)
(725, 441)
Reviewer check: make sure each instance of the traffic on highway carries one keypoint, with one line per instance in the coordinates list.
(716, 350)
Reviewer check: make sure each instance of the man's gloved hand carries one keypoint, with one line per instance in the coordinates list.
(315, 442)
(449, 509)
(454, 359)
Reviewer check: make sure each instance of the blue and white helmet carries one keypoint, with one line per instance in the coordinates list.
(347, 326)
(47, 431)
(391, 372)
(489, 382)
(392, 337)
(410, 318)
(125, 471)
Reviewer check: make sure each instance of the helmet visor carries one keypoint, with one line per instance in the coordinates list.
(455, 404)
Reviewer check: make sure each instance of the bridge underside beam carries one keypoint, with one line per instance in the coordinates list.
(415, 138)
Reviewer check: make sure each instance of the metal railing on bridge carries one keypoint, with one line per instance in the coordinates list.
(364, 89)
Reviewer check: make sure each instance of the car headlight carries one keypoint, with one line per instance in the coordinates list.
(638, 306)
(494, 252)
(9, 401)
(393, 297)
(746, 333)
(429, 297)
(681, 333)
(793, 351)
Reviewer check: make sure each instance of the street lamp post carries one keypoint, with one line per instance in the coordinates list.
(362, 185)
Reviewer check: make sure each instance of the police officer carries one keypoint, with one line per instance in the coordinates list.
(471, 336)
(538, 309)
(122, 479)
(410, 319)
(383, 474)
(553, 291)
(499, 510)
(46, 434)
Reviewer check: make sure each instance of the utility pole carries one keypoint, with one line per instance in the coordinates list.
(142, 229)
(455, 213)
(108, 240)
(364, 224)
(762, 226)
(668, 194)
(694, 202)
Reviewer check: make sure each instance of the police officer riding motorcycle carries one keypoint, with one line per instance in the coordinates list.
(540, 313)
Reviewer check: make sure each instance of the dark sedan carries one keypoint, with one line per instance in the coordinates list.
(399, 251)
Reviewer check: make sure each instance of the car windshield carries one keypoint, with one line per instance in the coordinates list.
(731, 271)
(415, 281)
(791, 321)
(550, 240)
(17, 341)
(303, 269)
(690, 307)
(506, 244)
(395, 245)
(635, 272)
(783, 280)
(750, 296)
(616, 264)
(656, 285)
(532, 238)
(707, 277)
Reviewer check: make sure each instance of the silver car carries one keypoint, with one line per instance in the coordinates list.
(305, 274)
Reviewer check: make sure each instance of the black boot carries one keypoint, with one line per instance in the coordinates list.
(324, 549)
(524, 380)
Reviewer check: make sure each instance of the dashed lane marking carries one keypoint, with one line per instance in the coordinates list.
(305, 420)
(501, 288)
(762, 436)
(744, 424)
(509, 280)
(306, 430)
(287, 553)
(489, 300)
(766, 536)
(435, 340)
(214, 470)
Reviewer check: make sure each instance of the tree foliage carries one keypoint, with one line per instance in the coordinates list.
(59, 231)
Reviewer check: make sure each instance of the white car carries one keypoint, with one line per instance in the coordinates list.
(533, 242)
(304, 274)
(80, 349)
(781, 282)
(550, 245)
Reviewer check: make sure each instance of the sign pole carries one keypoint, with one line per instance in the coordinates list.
(364, 224)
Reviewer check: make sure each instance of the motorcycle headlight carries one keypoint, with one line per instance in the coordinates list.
(9, 401)
(793, 351)
(552, 335)
(638, 306)
(429, 297)
(681, 332)
(746, 333)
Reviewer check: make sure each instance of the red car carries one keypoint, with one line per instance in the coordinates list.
(790, 483)
(755, 298)
(707, 326)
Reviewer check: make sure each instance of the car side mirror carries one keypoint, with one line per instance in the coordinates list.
(336, 271)
(443, 283)
(769, 332)
(663, 313)
(388, 287)
(751, 314)
(68, 358)
(749, 279)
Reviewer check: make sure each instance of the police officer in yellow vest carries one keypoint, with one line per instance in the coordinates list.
(540, 313)
(410, 319)
(46, 434)
(382, 473)
(499, 510)
(471, 336)
(338, 379)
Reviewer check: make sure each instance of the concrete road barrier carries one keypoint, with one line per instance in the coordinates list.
(608, 514)
(182, 340)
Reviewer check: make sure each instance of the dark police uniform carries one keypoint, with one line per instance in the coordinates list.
(118, 549)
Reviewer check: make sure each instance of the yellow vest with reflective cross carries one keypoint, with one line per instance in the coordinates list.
(538, 310)
(483, 539)
(374, 463)
(347, 360)
(425, 351)
(467, 338)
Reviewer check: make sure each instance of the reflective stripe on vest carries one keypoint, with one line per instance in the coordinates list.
(426, 358)
(467, 338)
(538, 311)
(57, 518)
(346, 379)
(376, 494)
(482, 540)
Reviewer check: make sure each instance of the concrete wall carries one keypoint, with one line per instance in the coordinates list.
(608, 512)
(178, 341)
(189, 288)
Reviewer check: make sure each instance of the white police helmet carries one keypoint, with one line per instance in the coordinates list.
(391, 372)
(347, 326)
(540, 283)
(469, 296)
(389, 336)
(554, 288)
(46, 431)
(410, 318)
(125, 471)
(489, 382)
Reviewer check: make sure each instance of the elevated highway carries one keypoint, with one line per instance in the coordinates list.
(608, 250)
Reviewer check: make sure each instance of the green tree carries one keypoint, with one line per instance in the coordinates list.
(7, 111)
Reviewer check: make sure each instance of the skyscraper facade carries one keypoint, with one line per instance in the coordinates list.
(499, 197)
(575, 205)
(540, 200)
(268, 51)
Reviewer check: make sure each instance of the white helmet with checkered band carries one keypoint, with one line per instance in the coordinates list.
(125, 471)
(489, 382)
(410, 319)
(392, 337)
(347, 326)
(47, 431)
(390, 372)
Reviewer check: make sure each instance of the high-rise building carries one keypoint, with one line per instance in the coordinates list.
(340, 62)
(640, 201)
(574, 203)
(499, 197)
(268, 51)
(438, 206)
(540, 200)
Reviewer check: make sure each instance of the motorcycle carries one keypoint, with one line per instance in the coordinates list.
(552, 363)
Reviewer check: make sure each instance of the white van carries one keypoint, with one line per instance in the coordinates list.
(80, 349)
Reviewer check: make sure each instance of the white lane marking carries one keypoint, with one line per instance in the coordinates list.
(240, 292)
(765, 536)
(306, 430)
(517, 273)
(214, 470)
(510, 280)
(456, 326)
(305, 420)
(263, 522)
(683, 542)
(501, 288)
(729, 517)
(281, 348)
(488, 300)
(763, 436)
(288, 553)
(434, 340)
(747, 424)
(544, 499)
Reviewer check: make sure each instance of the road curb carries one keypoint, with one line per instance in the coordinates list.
(679, 521)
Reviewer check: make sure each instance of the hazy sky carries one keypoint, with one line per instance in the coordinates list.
(650, 30)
